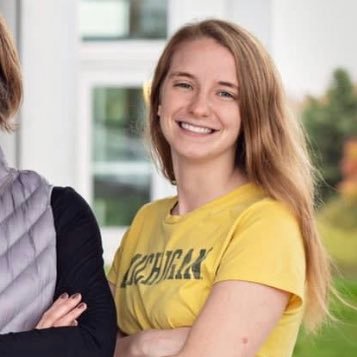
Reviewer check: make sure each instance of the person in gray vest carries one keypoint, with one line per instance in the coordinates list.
(54, 297)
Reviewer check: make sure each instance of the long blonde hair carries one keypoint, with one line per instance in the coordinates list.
(10, 78)
(271, 148)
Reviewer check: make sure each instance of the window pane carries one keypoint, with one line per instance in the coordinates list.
(121, 167)
(120, 19)
(148, 18)
(119, 115)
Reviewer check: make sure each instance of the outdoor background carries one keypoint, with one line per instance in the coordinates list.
(87, 65)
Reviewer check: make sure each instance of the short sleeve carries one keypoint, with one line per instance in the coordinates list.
(266, 247)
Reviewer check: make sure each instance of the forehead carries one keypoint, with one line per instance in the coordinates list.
(203, 56)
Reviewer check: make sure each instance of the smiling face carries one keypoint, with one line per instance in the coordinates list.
(199, 113)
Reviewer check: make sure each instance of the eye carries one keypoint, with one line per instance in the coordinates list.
(226, 95)
(183, 85)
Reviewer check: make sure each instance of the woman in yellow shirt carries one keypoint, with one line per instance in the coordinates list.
(233, 263)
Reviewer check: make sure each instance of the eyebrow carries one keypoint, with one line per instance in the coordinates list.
(189, 75)
(181, 74)
(228, 84)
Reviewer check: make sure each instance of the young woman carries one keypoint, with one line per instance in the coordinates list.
(51, 262)
(233, 264)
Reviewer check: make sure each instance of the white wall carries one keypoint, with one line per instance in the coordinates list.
(49, 40)
(183, 11)
(254, 15)
(310, 39)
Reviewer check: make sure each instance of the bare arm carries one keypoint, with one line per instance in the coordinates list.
(235, 321)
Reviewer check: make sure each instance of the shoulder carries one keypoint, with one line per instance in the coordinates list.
(31, 183)
(269, 212)
(267, 247)
(70, 209)
(67, 196)
(269, 223)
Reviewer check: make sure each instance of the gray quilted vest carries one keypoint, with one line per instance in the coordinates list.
(27, 248)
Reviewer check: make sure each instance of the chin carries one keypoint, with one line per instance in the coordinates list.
(195, 156)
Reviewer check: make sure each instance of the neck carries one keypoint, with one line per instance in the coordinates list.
(198, 184)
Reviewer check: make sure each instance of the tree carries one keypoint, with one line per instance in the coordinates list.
(348, 185)
(329, 121)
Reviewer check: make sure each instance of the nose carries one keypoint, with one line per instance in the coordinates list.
(200, 105)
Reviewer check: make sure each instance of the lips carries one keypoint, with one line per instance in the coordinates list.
(197, 129)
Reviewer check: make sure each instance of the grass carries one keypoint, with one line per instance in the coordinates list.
(338, 227)
(336, 339)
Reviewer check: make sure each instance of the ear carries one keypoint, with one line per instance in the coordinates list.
(159, 110)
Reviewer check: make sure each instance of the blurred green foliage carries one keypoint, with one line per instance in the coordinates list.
(337, 339)
(341, 213)
(329, 121)
(337, 223)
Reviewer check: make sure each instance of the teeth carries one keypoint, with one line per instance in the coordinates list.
(195, 129)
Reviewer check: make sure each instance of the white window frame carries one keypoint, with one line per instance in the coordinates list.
(125, 64)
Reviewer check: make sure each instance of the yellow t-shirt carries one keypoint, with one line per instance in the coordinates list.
(166, 265)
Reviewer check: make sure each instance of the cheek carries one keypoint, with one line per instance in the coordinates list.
(235, 125)
(163, 126)
(231, 117)
(238, 120)
(170, 102)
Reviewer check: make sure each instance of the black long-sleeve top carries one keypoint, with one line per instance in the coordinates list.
(79, 269)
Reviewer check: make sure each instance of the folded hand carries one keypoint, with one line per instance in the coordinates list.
(63, 312)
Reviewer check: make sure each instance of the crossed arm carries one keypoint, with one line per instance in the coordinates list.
(235, 321)
(80, 270)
